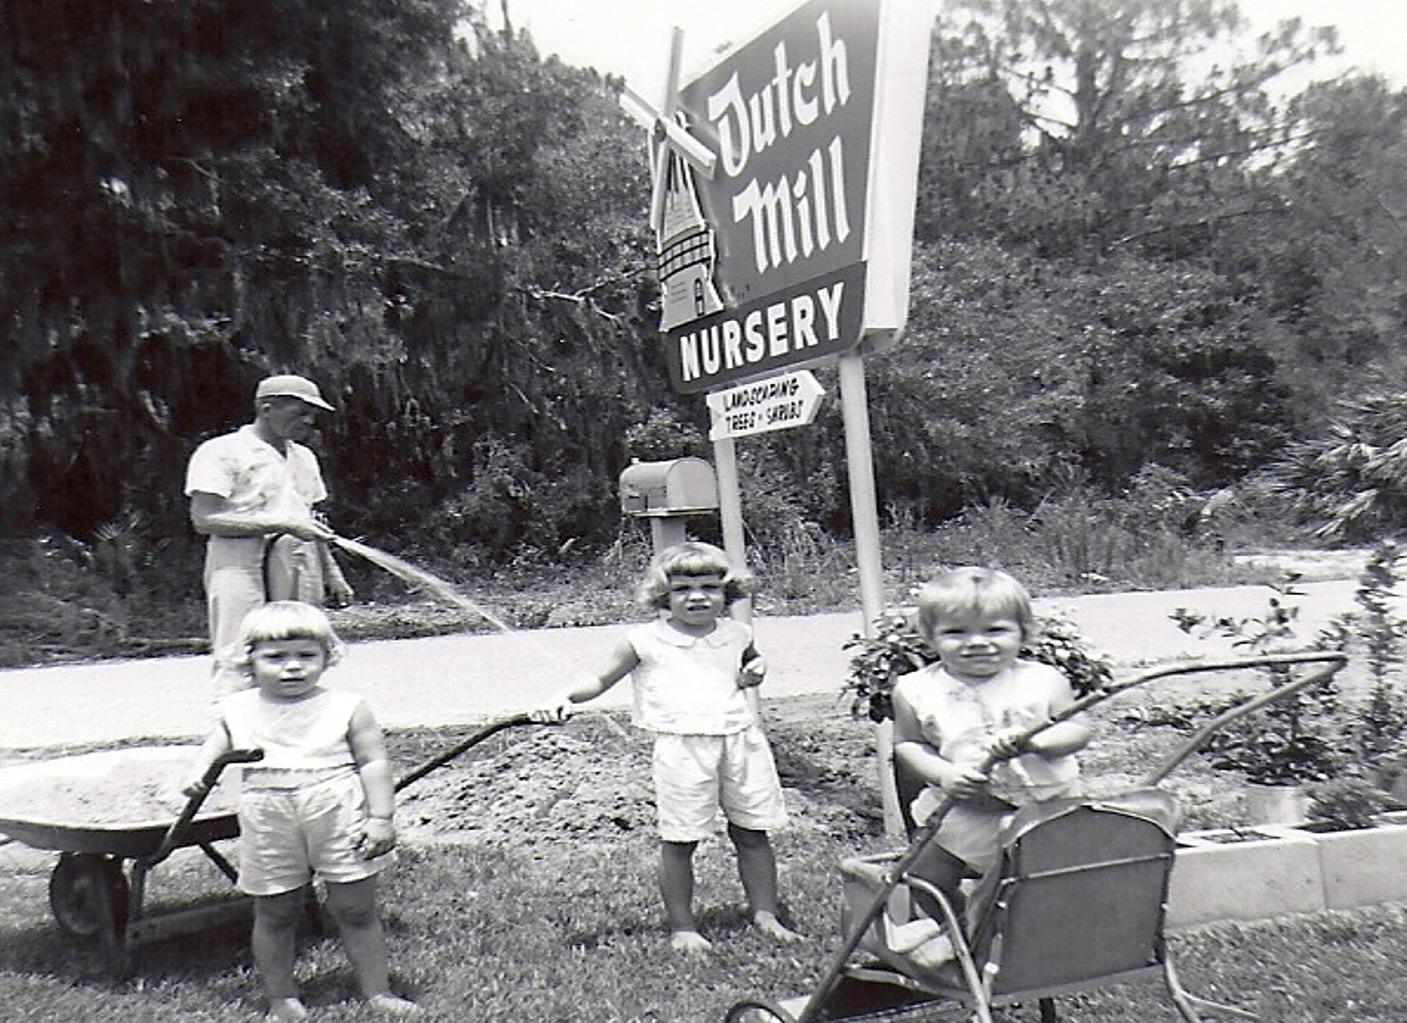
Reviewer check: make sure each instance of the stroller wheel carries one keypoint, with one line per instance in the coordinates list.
(758, 1012)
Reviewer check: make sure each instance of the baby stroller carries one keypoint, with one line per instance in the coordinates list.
(1076, 901)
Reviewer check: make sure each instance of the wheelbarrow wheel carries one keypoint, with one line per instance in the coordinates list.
(758, 1012)
(87, 892)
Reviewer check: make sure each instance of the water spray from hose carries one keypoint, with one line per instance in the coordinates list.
(420, 579)
(442, 590)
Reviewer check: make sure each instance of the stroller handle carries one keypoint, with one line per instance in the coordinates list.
(1332, 662)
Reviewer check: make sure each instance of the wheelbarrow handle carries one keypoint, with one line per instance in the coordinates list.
(440, 759)
(224, 760)
(208, 780)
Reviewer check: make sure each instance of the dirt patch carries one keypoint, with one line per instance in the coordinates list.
(532, 785)
(589, 781)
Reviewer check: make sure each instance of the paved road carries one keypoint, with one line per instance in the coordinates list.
(470, 678)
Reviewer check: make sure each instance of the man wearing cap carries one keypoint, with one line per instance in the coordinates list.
(252, 494)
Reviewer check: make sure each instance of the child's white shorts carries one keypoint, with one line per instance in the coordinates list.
(286, 836)
(696, 776)
(973, 836)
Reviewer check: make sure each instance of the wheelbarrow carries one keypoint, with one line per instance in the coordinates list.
(1076, 901)
(90, 894)
(93, 891)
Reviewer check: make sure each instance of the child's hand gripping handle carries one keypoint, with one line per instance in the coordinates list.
(1012, 742)
(752, 671)
(197, 798)
(558, 712)
(224, 760)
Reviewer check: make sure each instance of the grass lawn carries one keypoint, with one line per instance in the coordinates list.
(493, 934)
(526, 892)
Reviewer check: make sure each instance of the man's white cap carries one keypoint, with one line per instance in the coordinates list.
(290, 386)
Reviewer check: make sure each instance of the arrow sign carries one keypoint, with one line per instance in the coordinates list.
(776, 403)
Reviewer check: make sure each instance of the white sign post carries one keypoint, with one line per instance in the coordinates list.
(777, 403)
(784, 180)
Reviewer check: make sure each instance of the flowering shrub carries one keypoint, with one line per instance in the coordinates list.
(1311, 736)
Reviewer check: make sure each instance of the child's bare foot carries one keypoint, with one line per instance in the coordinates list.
(769, 925)
(934, 952)
(388, 1004)
(689, 941)
(286, 1010)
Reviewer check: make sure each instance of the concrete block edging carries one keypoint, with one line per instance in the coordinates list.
(1275, 870)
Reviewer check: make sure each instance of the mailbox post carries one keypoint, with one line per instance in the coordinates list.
(667, 493)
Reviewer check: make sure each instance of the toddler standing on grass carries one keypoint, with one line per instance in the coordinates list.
(320, 803)
(976, 700)
(691, 669)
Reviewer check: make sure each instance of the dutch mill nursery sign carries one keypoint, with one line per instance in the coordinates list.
(797, 246)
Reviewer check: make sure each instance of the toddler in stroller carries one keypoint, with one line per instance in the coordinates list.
(1076, 899)
(962, 733)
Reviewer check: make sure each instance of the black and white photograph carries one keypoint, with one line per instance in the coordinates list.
(766, 511)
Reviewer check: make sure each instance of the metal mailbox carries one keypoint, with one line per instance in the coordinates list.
(680, 486)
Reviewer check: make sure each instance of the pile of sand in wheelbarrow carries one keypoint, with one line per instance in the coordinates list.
(112, 788)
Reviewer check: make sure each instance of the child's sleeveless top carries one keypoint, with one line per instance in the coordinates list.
(688, 685)
(304, 741)
(957, 719)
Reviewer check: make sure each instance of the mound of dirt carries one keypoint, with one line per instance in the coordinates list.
(534, 785)
(590, 780)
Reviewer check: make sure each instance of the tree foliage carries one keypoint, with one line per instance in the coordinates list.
(196, 195)
(1101, 213)
(443, 229)
(1018, 369)
(1113, 273)
(1326, 267)
(1102, 134)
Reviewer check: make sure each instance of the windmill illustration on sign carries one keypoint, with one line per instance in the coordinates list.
(683, 238)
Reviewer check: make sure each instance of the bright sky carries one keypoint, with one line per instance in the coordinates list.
(632, 37)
